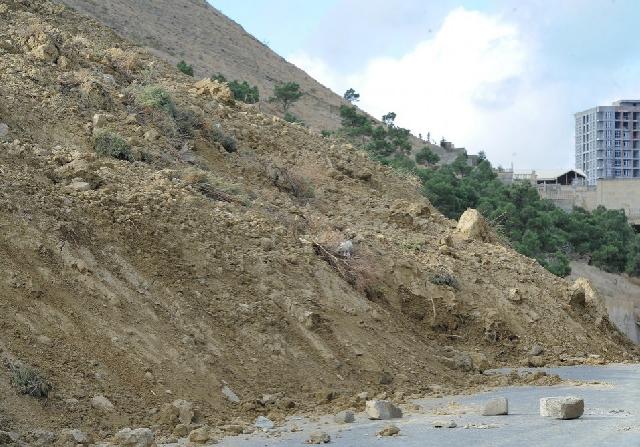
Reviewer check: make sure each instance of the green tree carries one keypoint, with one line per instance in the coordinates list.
(351, 95)
(286, 94)
(185, 68)
(244, 92)
(389, 118)
(427, 156)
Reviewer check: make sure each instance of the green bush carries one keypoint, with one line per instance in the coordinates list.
(291, 118)
(427, 156)
(108, 144)
(185, 68)
(30, 381)
(187, 121)
(155, 97)
(244, 92)
(227, 141)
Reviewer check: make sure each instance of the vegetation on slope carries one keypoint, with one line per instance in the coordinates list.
(535, 227)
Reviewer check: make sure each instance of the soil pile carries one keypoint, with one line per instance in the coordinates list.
(170, 257)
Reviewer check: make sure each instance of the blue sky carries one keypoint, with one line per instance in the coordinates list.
(494, 75)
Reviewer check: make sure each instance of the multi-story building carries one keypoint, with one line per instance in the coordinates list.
(608, 141)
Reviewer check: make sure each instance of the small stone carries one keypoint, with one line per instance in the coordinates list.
(140, 437)
(496, 407)
(445, 424)
(345, 249)
(200, 435)
(4, 130)
(536, 350)
(230, 395)
(79, 186)
(567, 407)
(101, 403)
(151, 135)
(74, 437)
(263, 423)
(181, 430)
(100, 120)
(389, 430)
(536, 361)
(382, 409)
(344, 417)
(362, 396)
(318, 437)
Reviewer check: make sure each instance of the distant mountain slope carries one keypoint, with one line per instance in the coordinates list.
(201, 35)
(204, 37)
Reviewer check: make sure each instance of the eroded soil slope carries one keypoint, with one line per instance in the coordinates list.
(186, 267)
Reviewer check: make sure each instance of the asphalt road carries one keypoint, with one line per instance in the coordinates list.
(611, 418)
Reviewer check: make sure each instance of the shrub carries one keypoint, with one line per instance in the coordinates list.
(29, 380)
(326, 133)
(291, 118)
(156, 97)
(444, 279)
(187, 121)
(185, 68)
(227, 141)
(286, 94)
(295, 185)
(109, 144)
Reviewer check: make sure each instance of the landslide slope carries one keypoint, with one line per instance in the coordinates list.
(184, 266)
(197, 32)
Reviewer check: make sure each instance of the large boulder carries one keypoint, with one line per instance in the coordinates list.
(382, 409)
(472, 225)
(496, 407)
(567, 407)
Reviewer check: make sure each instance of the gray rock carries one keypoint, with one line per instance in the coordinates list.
(444, 424)
(496, 407)
(101, 403)
(382, 409)
(345, 249)
(79, 186)
(4, 130)
(536, 350)
(230, 395)
(100, 120)
(186, 413)
(200, 435)
(344, 417)
(318, 437)
(567, 407)
(74, 437)
(140, 437)
(42, 438)
(263, 423)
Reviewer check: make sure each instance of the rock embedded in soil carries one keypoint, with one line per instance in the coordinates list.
(344, 417)
(139, 437)
(566, 407)
(496, 407)
(382, 409)
(389, 430)
(318, 437)
(200, 435)
(536, 350)
(74, 437)
(101, 403)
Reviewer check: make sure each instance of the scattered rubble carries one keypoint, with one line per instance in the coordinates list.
(318, 437)
(389, 430)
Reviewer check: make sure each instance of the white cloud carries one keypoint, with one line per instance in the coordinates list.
(474, 83)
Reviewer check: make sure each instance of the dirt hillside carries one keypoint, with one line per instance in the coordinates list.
(164, 249)
(195, 31)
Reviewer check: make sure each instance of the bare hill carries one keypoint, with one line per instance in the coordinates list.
(162, 245)
(195, 31)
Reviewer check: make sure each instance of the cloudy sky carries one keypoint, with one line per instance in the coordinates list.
(500, 76)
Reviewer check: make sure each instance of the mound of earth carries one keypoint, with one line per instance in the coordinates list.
(224, 264)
